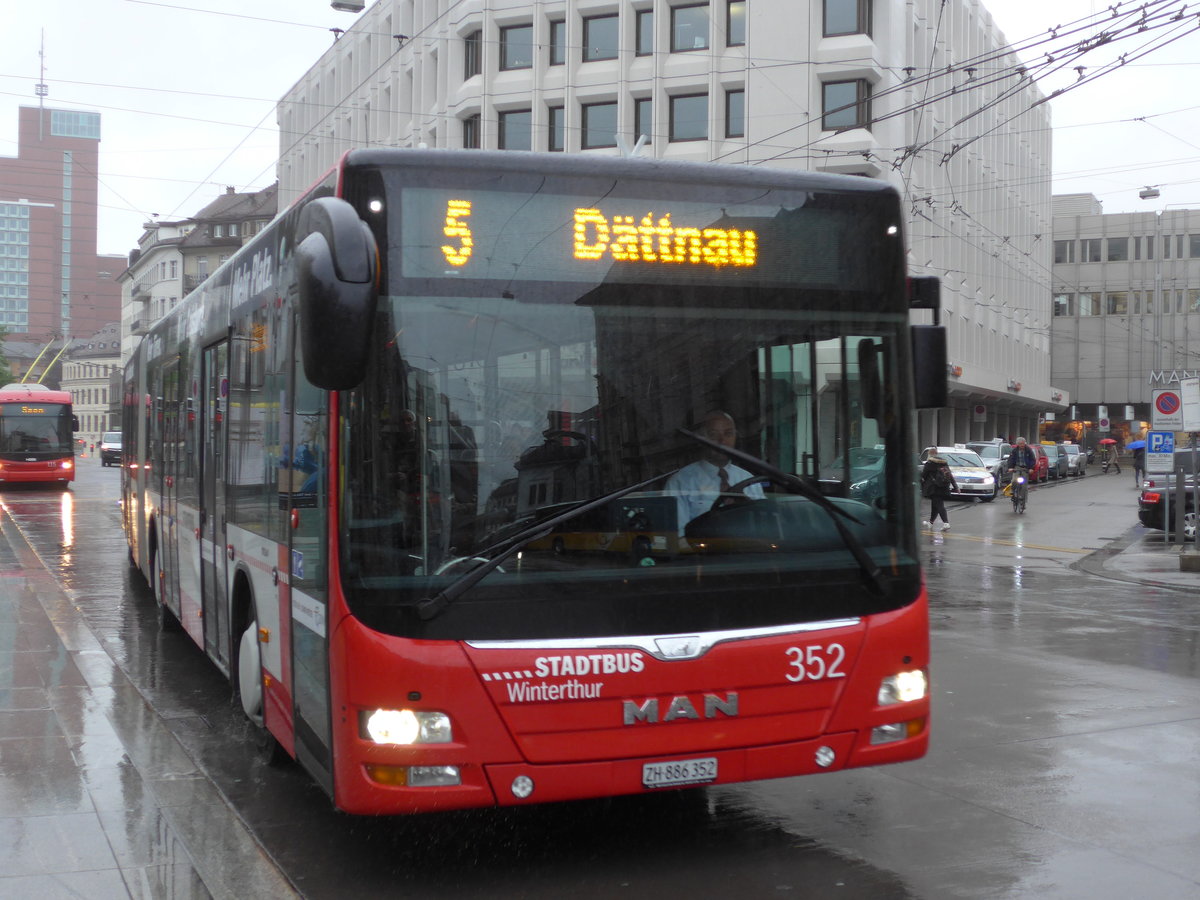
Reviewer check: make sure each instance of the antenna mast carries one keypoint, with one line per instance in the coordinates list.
(40, 88)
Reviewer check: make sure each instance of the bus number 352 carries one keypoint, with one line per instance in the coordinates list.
(816, 663)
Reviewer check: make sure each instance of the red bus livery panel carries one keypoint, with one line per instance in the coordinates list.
(494, 479)
(36, 428)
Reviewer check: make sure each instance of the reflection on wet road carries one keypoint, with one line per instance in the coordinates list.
(1065, 759)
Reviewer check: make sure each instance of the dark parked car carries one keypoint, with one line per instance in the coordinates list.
(1056, 460)
(1152, 503)
(110, 448)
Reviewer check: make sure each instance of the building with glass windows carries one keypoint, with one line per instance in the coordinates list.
(921, 94)
(1126, 306)
(52, 282)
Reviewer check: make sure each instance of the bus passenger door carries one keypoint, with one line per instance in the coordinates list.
(215, 393)
(305, 432)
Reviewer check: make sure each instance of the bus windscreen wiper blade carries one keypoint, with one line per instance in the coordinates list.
(796, 485)
(432, 606)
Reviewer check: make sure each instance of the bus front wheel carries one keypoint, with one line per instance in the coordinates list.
(249, 690)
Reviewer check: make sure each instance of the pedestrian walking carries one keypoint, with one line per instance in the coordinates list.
(937, 484)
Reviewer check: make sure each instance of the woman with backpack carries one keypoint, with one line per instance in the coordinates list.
(937, 483)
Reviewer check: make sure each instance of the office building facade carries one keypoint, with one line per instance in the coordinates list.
(920, 94)
(53, 284)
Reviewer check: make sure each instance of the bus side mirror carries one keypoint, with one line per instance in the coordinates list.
(929, 366)
(337, 270)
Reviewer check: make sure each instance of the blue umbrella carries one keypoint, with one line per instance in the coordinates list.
(1135, 445)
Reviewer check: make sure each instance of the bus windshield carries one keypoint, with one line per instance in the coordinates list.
(35, 431)
(493, 404)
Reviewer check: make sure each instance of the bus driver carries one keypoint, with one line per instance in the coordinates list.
(697, 486)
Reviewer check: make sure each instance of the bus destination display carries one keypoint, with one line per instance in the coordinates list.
(553, 237)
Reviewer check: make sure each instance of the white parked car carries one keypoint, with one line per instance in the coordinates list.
(972, 476)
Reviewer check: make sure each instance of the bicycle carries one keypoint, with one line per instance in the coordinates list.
(1020, 489)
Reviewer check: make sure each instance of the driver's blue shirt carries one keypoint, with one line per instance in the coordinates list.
(696, 487)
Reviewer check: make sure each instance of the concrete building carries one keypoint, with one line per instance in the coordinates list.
(921, 94)
(1126, 308)
(52, 282)
(173, 257)
(87, 371)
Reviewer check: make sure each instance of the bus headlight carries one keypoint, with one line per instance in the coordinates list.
(903, 687)
(406, 726)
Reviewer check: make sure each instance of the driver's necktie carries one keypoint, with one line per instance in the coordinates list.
(724, 480)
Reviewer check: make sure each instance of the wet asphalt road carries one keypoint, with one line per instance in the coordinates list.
(1065, 760)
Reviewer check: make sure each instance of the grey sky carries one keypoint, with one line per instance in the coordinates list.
(187, 91)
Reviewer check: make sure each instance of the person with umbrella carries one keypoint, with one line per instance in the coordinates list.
(1138, 449)
(1108, 455)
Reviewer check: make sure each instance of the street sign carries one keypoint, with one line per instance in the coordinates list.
(1166, 410)
(1189, 393)
(979, 413)
(1160, 452)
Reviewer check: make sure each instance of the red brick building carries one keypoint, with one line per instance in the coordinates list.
(52, 282)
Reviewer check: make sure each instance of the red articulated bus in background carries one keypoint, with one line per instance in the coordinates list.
(403, 466)
(36, 436)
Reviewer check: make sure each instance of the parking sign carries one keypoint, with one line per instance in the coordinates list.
(1160, 452)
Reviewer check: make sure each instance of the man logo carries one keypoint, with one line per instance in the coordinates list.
(679, 708)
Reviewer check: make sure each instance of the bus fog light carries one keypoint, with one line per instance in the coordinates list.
(522, 787)
(903, 687)
(825, 757)
(433, 776)
(406, 726)
(897, 731)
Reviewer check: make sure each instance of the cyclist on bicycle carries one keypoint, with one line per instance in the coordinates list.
(1021, 460)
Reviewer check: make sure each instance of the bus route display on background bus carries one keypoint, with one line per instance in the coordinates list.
(505, 478)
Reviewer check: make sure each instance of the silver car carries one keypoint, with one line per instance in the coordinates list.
(1076, 459)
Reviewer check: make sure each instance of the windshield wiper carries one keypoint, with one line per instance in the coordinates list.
(797, 485)
(433, 606)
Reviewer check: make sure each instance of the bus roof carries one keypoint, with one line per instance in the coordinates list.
(39, 393)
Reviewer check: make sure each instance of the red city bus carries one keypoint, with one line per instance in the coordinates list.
(36, 431)
(350, 451)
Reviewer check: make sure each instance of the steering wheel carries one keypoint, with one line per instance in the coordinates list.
(728, 500)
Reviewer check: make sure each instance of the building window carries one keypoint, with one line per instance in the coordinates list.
(1089, 250)
(1194, 246)
(689, 117)
(218, 231)
(472, 54)
(558, 42)
(1193, 300)
(847, 17)
(735, 23)
(516, 47)
(1118, 249)
(471, 132)
(1117, 303)
(600, 36)
(1064, 251)
(645, 32)
(735, 113)
(233, 229)
(1089, 304)
(845, 105)
(557, 141)
(599, 125)
(689, 28)
(516, 130)
(1064, 304)
(643, 118)
(202, 266)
